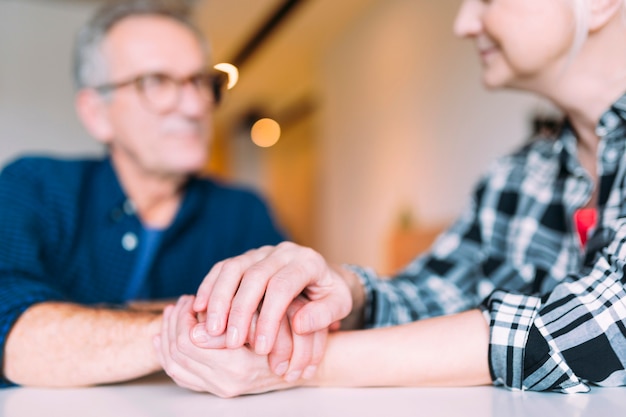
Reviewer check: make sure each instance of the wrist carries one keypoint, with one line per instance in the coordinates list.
(151, 330)
(355, 319)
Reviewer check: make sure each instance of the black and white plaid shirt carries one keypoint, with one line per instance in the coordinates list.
(557, 313)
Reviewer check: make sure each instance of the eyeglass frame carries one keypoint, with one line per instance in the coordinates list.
(218, 81)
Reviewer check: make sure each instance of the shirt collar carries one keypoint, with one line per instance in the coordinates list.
(110, 195)
(613, 120)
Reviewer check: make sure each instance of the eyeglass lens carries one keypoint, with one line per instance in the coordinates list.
(162, 92)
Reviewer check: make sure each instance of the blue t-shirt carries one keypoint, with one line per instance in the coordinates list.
(150, 239)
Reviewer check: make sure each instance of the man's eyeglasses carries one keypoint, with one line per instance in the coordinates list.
(161, 92)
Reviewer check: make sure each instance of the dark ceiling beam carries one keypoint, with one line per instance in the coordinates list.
(265, 31)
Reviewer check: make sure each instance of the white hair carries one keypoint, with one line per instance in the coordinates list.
(581, 15)
(90, 65)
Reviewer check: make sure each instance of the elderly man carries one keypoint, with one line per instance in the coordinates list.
(82, 237)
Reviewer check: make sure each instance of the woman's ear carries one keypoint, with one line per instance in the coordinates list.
(92, 110)
(603, 11)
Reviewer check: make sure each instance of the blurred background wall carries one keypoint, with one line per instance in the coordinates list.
(385, 124)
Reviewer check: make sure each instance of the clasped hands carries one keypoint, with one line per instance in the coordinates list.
(259, 322)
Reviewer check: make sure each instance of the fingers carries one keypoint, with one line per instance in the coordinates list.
(204, 290)
(330, 302)
(168, 352)
(324, 312)
(319, 347)
(217, 291)
(206, 286)
(245, 281)
(202, 339)
(295, 356)
(234, 288)
(286, 274)
(302, 346)
(280, 355)
(223, 372)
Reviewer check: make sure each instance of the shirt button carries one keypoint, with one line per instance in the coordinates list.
(129, 207)
(129, 241)
(117, 215)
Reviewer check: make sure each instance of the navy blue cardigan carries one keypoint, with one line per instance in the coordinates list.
(62, 235)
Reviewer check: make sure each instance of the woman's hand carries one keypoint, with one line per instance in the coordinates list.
(268, 280)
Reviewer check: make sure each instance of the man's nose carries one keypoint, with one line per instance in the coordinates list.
(192, 102)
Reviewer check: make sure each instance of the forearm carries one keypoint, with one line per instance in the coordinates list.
(444, 351)
(60, 344)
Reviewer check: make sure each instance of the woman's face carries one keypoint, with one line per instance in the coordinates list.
(522, 43)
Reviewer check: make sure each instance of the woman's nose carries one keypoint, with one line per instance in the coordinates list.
(468, 20)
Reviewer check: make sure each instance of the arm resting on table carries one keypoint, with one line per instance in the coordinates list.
(62, 344)
(443, 351)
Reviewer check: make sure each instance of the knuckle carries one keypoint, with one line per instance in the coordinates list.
(216, 306)
(237, 311)
(261, 249)
(231, 266)
(264, 322)
(281, 285)
(256, 274)
(217, 266)
(312, 256)
(286, 245)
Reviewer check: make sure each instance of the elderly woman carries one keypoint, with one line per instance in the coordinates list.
(525, 290)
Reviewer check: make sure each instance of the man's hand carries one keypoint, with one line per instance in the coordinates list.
(214, 369)
(275, 276)
(293, 355)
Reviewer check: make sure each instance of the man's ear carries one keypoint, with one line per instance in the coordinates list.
(603, 11)
(93, 111)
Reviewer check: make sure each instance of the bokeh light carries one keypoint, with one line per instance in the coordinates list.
(231, 71)
(265, 132)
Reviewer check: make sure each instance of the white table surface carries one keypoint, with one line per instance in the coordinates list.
(157, 396)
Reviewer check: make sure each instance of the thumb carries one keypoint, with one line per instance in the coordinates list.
(202, 339)
(321, 314)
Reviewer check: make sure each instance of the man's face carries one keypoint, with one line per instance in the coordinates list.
(173, 142)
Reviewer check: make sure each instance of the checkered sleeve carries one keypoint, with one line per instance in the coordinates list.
(464, 265)
(442, 281)
(573, 336)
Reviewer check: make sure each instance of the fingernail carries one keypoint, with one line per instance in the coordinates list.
(282, 368)
(199, 334)
(261, 345)
(213, 323)
(309, 372)
(232, 337)
(293, 376)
